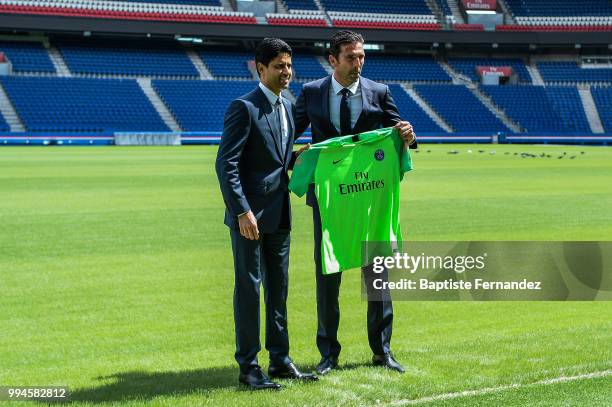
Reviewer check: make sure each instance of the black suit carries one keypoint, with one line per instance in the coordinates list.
(252, 174)
(378, 111)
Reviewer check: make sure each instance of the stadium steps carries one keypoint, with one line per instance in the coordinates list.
(199, 65)
(281, 8)
(508, 17)
(458, 78)
(261, 20)
(59, 63)
(433, 5)
(324, 13)
(497, 111)
(534, 72)
(227, 6)
(590, 109)
(10, 114)
(325, 64)
(454, 6)
(426, 108)
(158, 104)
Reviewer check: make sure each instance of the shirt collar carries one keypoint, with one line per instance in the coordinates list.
(271, 96)
(337, 87)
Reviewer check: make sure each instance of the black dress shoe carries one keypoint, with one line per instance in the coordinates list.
(326, 365)
(290, 371)
(257, 380)
(387, 360)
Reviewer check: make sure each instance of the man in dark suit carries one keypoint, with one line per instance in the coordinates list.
(254, 156)
(341, 104)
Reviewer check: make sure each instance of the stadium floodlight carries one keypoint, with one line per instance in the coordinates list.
(577, 46)
(495, 45)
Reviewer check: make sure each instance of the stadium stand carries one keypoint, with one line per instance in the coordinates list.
(389, 14)
(81, 104)
(571, 72)
(379, 6)
(227, 64)
(300, 5)
(467, 66)
(27, 56)
(307, 66)
(408, 108)
(126, 58)
(128, 10)
(560, 8)
(4, 125)
(190, 101)
(559, 15)
(603, 100)
(306, 20)
(403, 68)
(460, 108)
(539, 110)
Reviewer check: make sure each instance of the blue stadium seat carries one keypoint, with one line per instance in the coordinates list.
(3, 124)
(127, 58)
(215, 3)
(603, 101)
(301, 4)
(307, 66)
(467, 66)
(560, 7)
(412, 112)
(541, 110)
(460, 108)
(379, 6)
(570, 71)
(81, 104)
(27, 56)
(227, 64)
(403, 68)
(295, 88)
(200, 105)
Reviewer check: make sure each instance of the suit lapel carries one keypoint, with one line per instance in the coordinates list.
(366, 101)
(325, 89)
(290, 130)
(266, 108)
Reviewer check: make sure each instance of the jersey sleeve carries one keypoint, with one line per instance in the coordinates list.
(304, 171)
(405, 159)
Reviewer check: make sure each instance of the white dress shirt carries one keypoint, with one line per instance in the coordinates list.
(354, 101)
(272, 98)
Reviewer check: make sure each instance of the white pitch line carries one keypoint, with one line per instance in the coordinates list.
(487, 390)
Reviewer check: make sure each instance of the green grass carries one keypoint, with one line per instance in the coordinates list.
(116, 280)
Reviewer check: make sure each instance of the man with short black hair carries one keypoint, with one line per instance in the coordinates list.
(254, 156)
(341, 104)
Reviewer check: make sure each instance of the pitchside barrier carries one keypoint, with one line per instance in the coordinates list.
(147, 139)
(213, 137)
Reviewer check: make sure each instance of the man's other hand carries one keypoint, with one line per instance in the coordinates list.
(406, 132)
(248, 226)
(301, 150)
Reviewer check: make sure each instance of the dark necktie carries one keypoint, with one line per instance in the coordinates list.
(345, 114)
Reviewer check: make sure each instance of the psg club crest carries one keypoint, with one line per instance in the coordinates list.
(379, 155)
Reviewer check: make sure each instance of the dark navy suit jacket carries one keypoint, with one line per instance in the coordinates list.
(312, 108)
(251, 169)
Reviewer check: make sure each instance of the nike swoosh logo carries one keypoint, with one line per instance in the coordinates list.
(337, 161)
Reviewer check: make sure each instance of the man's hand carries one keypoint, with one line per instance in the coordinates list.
(248, 226)
(406, 132)
(301, 150)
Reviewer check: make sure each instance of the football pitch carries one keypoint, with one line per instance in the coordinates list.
(116, 280)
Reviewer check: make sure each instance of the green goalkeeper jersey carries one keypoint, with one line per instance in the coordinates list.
(356, 181)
